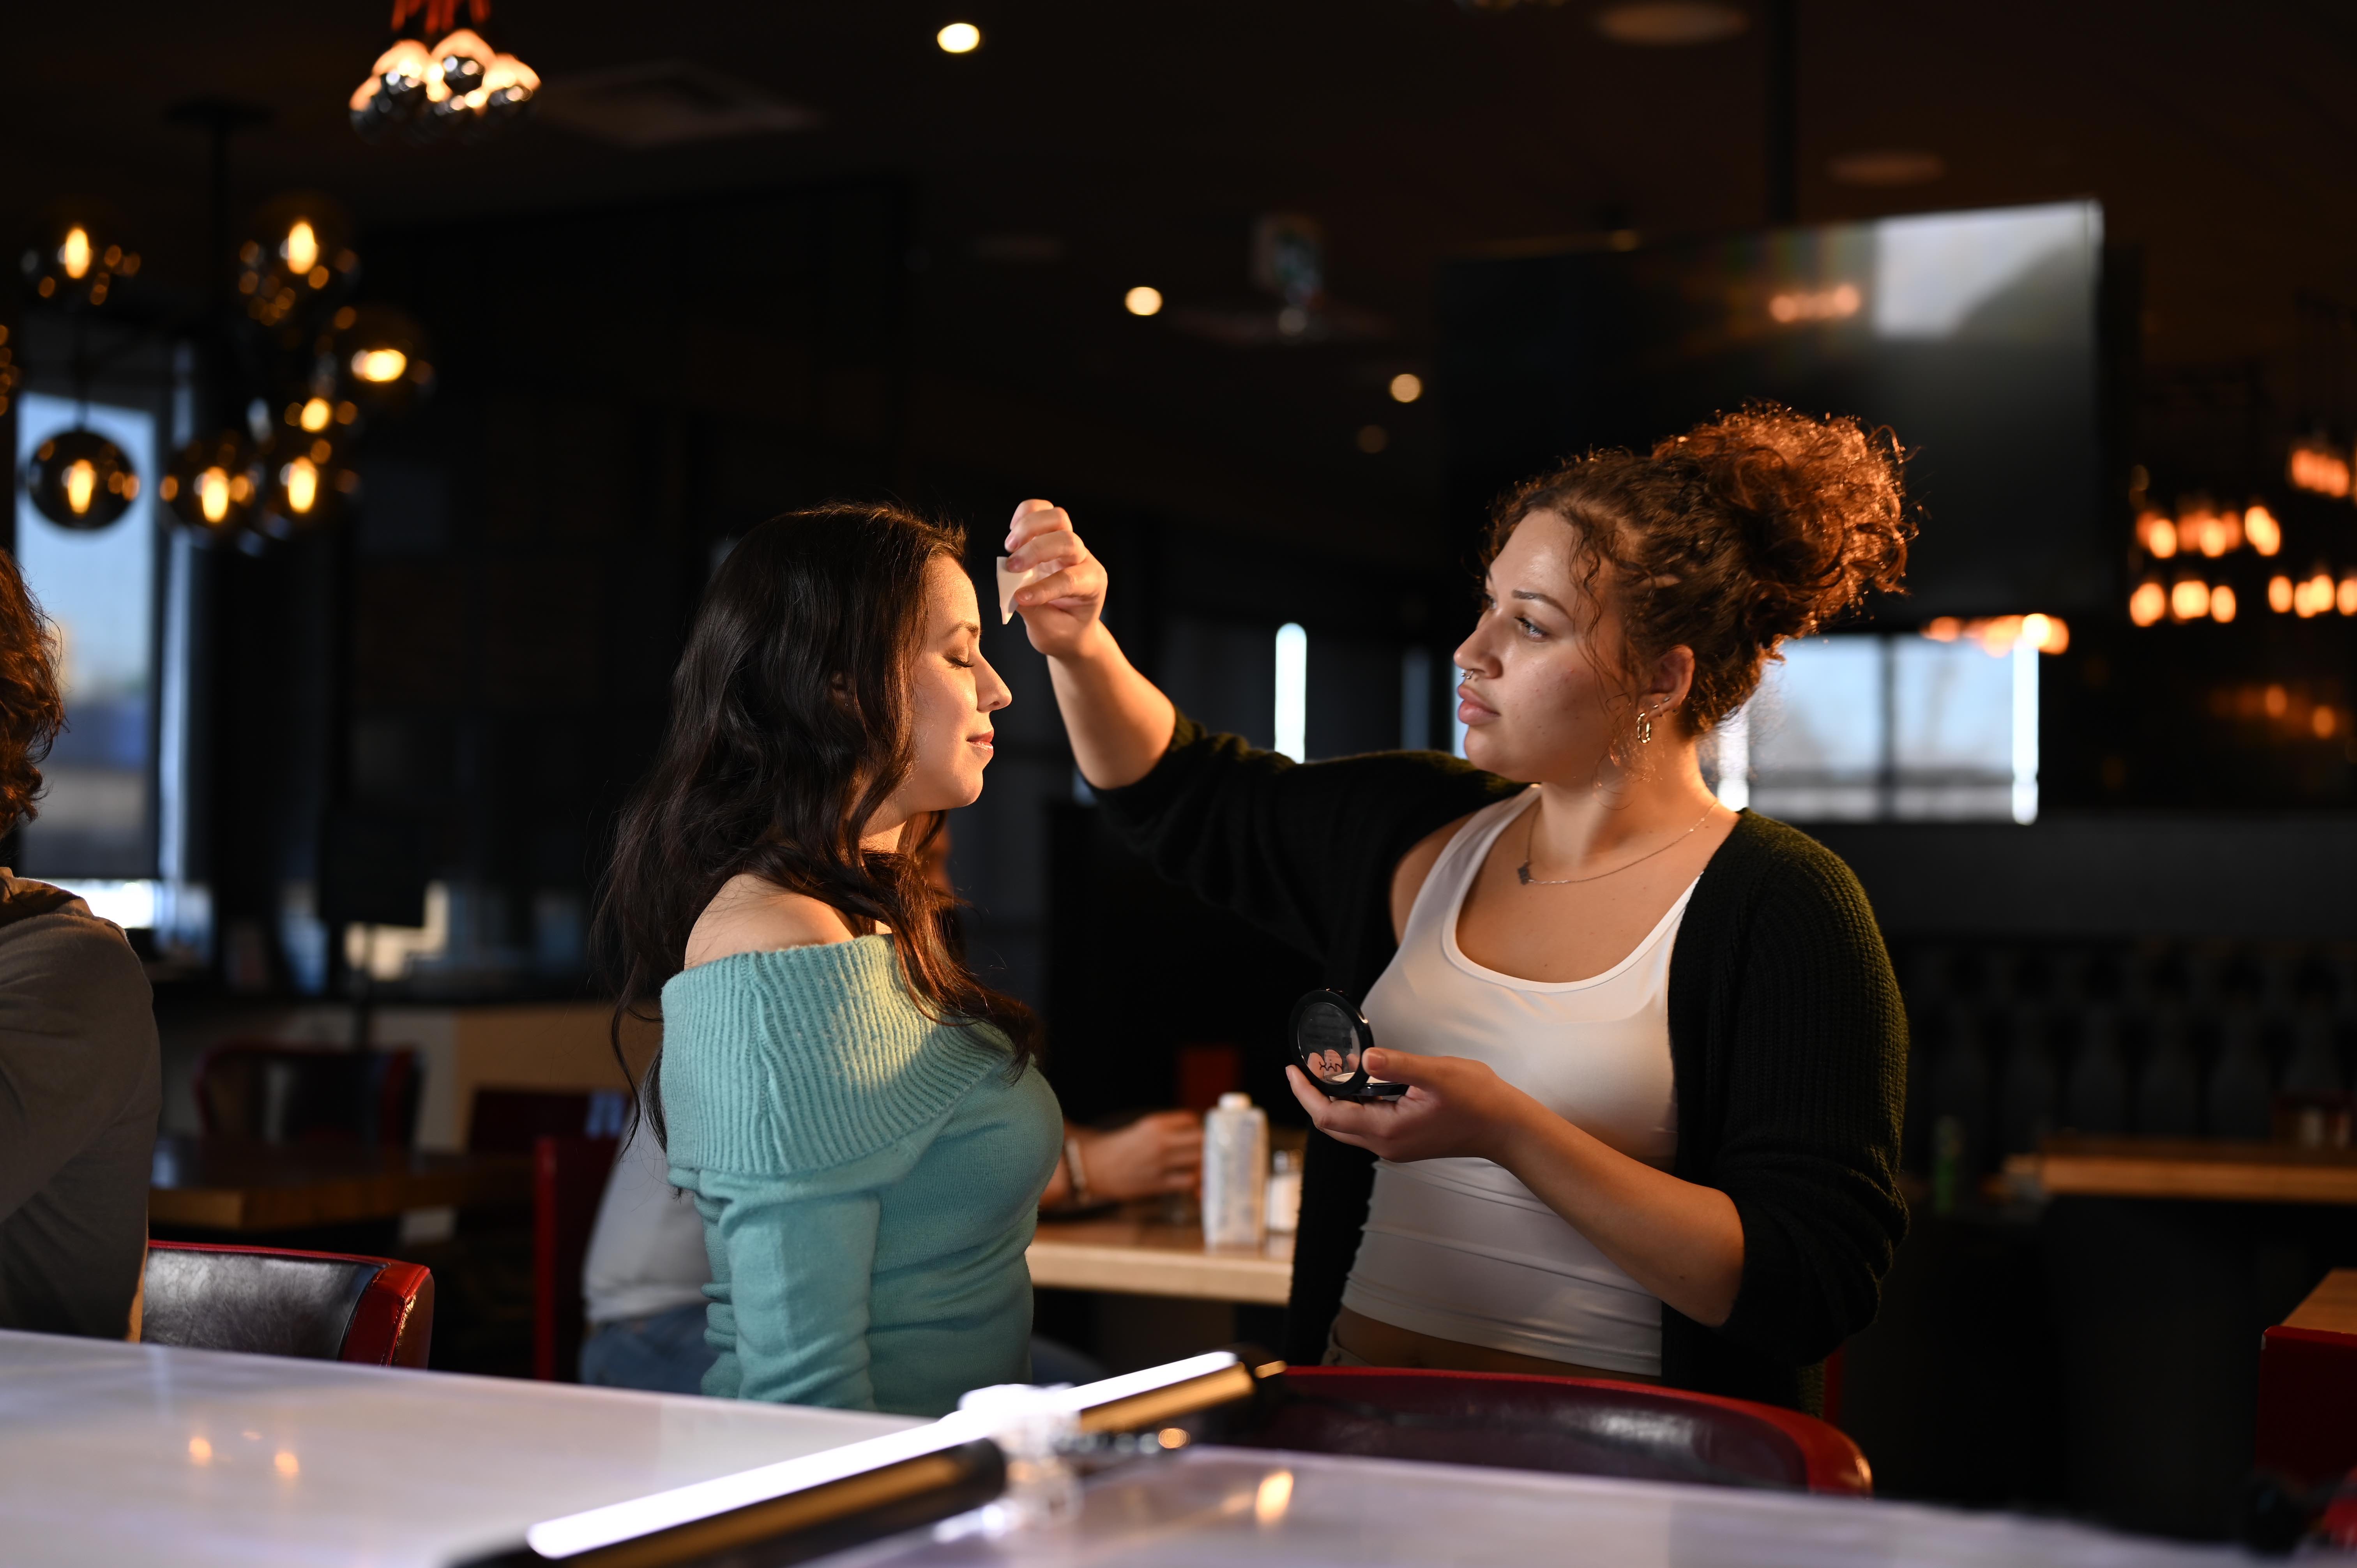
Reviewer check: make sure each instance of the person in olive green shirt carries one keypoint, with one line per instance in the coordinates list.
(80, 1076)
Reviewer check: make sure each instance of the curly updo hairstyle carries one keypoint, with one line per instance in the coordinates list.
(1758, 526)
(32, 709)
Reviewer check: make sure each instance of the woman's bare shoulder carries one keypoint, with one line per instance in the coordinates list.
(748, 915)
(1408, 877)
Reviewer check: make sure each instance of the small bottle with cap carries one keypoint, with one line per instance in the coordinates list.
(1235, 1173)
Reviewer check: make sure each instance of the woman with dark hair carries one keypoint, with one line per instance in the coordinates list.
(80, 1076)
(858, 1118)
(1654, 1049)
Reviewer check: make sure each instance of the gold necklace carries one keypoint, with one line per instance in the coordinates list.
(1522, 872)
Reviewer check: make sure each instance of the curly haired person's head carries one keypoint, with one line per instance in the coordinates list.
(32, 709)
(1677, 572)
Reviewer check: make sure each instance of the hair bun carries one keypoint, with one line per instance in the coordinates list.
(1819, 503)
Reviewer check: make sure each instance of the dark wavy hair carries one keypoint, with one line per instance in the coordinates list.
(789, 728)
(32, 710)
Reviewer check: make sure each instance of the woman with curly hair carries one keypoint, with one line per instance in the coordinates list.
(81, 1077)
(1654, 1052)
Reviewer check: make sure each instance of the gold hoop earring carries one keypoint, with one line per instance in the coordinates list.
(1646, 729)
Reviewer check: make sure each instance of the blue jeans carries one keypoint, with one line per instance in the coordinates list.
(665, 1354)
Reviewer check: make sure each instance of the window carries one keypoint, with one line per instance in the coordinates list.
(1867, 726)
(98, 818)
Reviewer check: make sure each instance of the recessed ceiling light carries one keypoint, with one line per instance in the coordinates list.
(1406, 387)
(1142, 300)
(1888, 166)
(959, 38)
(1669, 23)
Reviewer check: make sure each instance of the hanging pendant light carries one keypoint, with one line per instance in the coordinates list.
(304, 482)
(75, 255)
(213, 484)
(380, 358)
(454, 90)
(79, 479)
(297, 254)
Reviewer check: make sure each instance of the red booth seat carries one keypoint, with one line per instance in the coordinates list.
(269, 1301)
(1569, 1425)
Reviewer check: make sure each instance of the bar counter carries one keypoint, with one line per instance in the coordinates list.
(112, 1454)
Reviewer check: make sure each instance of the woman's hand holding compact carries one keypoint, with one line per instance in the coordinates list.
(1454, 1108)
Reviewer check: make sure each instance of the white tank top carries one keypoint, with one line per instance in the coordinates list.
(1459, 1248)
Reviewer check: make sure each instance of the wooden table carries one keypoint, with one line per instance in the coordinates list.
(236, 1185)
(2216, 1169)
(2330, 1307)
(1138, 1256)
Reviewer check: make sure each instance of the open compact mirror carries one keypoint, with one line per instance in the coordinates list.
(1330, 1040)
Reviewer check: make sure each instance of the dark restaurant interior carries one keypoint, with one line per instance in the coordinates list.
(417, 436)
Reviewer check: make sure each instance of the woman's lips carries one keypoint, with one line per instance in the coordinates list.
(1473, 710)
(987, 741)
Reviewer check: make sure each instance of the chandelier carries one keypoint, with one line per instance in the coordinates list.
(457, 90)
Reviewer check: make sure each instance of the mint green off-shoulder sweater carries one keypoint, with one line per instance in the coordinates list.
(868, 1180)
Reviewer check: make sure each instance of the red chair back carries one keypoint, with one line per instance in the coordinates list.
(568, 1181)
(270, 1301)
(1569, 1425)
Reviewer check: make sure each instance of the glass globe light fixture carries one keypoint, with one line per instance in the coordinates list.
(299, 252)
(79, 479)
(381, 359)
(212, 484)
(74, 256)
(452, 89)
(394, 91)
(304, 482)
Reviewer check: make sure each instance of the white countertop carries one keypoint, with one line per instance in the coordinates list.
(116, 1454)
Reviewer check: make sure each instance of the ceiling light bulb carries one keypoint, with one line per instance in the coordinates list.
(380, 365)
(301, 478)
(315, 413)
(74, 254)
(2260, 527)
(959, 38)
(2190, 600)
(81, 483)
(212, 494)
(302, 247)
(1406, 387)
(2149, 603)
(2221, 604)
(1143, 300)
(2280, 595)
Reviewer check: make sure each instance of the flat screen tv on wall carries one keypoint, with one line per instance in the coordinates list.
(1973, 336)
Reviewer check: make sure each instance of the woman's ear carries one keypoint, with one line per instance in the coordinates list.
(1672, 679)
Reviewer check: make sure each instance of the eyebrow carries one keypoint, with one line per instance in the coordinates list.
(1542, 599)
(974, 626)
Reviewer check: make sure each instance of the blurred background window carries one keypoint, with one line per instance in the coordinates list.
(1871, 727)
(98, 818)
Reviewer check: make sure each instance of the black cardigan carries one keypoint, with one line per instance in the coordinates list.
(1788, 1045)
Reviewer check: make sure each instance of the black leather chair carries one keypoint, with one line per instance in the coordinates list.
(267, 1301)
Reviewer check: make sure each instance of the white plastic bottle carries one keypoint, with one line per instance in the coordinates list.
(1235, 1174)
(1285, 1193)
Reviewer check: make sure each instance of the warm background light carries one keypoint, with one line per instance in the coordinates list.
(2280, 595)
(2260, 527)
(1142, 300)
(2190, 600)
(959, 38)
(2221, 604)
(1406, 387)
(2149, 603)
